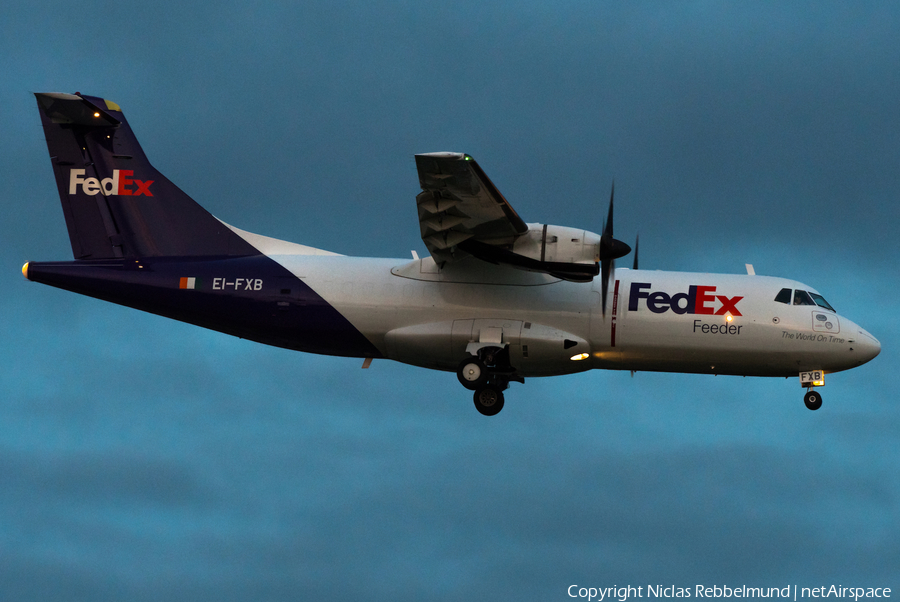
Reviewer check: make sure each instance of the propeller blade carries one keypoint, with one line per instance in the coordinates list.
(607, 268)
(610, 250)
(608, 227)
(637, 241)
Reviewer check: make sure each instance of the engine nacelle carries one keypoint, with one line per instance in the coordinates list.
(566, 253)
(534, 349)
(558, 244)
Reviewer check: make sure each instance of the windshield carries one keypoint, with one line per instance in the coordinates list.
(802, 298)
(821, 302)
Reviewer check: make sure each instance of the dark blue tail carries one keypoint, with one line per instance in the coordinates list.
(116, 204)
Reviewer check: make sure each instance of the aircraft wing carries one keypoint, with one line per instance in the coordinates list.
(459, 204)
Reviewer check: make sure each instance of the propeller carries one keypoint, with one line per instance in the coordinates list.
(637, 241)
(610, 250)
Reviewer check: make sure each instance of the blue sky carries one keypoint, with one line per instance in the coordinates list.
(144, 459)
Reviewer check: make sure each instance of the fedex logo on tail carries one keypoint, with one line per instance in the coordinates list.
(119, 184)
(698, 300)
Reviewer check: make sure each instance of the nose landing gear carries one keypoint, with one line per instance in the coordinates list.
(812, 399)
(813, 378)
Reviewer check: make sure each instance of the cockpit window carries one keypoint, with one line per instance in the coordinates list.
(802, 298)
(821, 302)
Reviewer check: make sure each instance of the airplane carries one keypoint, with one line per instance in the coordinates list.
(496, 301)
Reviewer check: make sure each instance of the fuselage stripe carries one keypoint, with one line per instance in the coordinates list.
(615, 307)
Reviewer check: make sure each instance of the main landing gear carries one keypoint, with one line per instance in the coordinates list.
(489, 400)
(488, 374)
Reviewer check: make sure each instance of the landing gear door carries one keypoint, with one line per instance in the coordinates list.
(487, 331)
(471, 335)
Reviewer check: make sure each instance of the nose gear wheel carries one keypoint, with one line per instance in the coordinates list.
(812, 399)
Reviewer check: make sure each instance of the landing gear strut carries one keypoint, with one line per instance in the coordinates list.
(812, 399)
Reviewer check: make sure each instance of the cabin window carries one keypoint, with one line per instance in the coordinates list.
(784, 296)
(802, 298)
(821, 302)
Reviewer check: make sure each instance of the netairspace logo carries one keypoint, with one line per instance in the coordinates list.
(791, 592)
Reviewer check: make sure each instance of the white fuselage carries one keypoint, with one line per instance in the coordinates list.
(416, 313)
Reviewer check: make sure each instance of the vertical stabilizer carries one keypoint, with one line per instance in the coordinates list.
(115, 203)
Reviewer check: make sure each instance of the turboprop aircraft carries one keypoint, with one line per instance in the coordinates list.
(497, 301)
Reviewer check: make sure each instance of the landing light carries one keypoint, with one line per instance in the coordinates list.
(96, 114)
(579, 357)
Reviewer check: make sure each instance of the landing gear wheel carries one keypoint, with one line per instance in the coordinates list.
(489, 401)
(813, 400)
(472, 373)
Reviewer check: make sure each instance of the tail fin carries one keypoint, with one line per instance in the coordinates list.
(116, 204)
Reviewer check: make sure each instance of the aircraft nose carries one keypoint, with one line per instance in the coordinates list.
(866, 346)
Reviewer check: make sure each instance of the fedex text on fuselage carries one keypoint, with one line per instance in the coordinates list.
(697, 300)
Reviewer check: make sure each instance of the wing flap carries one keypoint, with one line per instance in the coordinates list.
(459, 202)
(446, 240)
